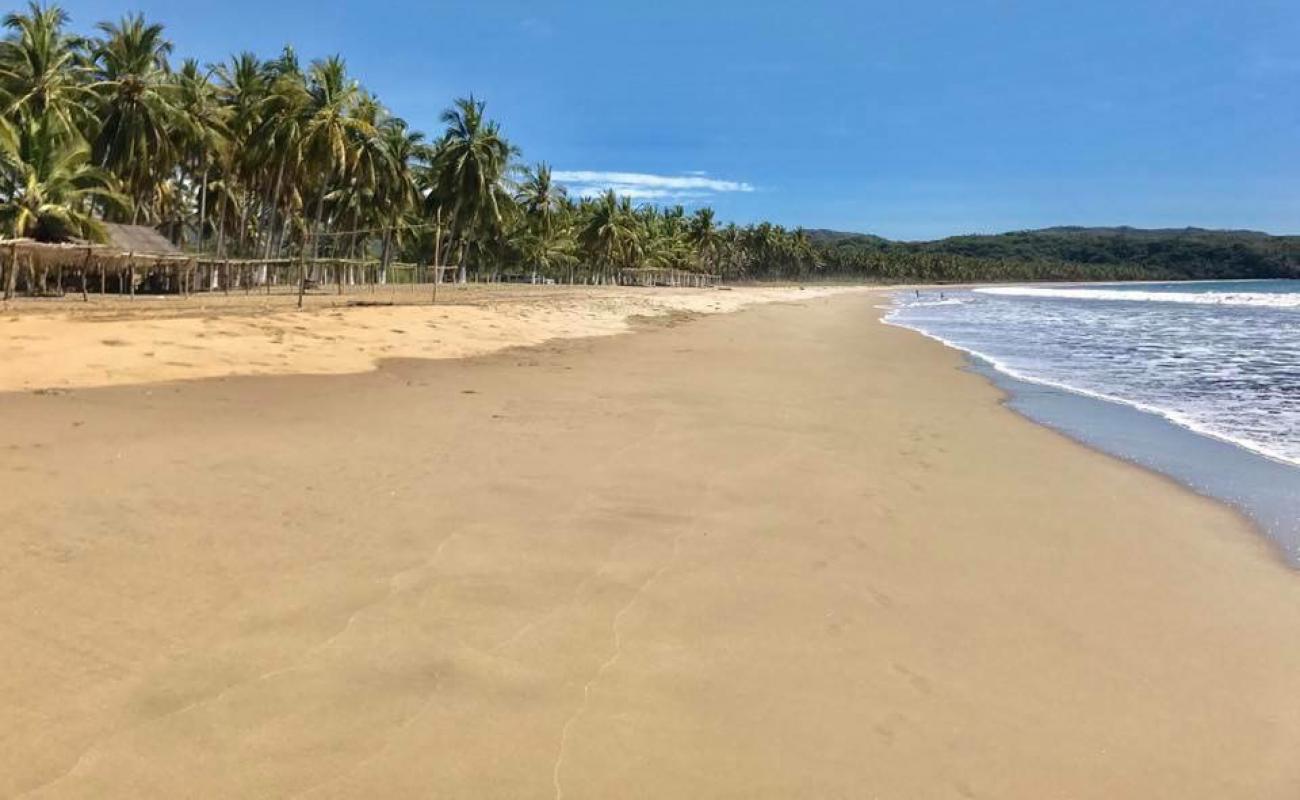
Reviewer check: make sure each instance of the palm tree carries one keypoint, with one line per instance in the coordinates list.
(40, 77)
(201, 133)
(732, 252)
(326, 133)
(242, 86)
(609, 235)
(134, 106)
(278, 138)
(357, 198)
(703, 236)
(803, 252)
(542, 246)
(539, 196)
(397, 193)
(49, 186)
(471, 165)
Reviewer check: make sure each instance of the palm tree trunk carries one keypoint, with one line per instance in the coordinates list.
(437, 252)
(221, 228)
(203, 208)
(437, 242)
(315, 245)
(243, 224)
(320, 213)
(270, 216)
(241, 248)
(384, 255)
(352, 245)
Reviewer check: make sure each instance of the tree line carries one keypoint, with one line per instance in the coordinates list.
(269, 158)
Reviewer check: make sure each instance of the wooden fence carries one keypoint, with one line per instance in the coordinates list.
(44, 269)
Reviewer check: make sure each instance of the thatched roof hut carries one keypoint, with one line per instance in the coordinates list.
(139, 239)
(132, 252)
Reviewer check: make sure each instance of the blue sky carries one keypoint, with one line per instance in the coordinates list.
(911, 120)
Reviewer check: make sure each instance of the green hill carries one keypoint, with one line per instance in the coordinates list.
(1102, 253)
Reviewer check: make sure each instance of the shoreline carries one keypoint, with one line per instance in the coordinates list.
(1282, 546)
(878, 579)
(1163, 414)
(1264, 509)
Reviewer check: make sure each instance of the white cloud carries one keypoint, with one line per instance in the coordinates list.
(645, 186)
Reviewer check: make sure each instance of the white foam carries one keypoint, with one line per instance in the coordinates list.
(1257, 299)
(1177, 418)
(951, 301)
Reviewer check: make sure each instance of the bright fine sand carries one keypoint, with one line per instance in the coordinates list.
(159, 339)
(784, 552)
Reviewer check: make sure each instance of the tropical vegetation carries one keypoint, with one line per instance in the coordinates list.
(274, 158)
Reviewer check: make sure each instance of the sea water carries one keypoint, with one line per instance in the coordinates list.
(1199, 380)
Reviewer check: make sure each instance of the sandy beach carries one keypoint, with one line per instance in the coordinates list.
(119, 341)
(781, 552)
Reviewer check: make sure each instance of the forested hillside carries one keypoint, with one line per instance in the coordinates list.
(1068, 253)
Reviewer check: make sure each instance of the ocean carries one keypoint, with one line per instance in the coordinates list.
(1199, 380)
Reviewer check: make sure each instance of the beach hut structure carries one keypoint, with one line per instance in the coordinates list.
(133, 252)
(140, 239)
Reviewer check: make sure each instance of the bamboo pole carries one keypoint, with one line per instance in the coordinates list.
(130, 268)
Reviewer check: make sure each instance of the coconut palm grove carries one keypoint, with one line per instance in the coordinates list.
(282, 157)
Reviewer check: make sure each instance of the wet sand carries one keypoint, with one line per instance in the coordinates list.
(786, 552)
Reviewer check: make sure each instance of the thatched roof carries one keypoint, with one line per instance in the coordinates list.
(139, 239)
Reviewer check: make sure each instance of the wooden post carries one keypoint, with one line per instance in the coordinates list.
(30, 264)
(11, 277)
(130, 273)
(85, 265)
(437, 253)
(302, 277)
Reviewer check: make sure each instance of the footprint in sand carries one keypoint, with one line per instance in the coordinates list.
(114, 342)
